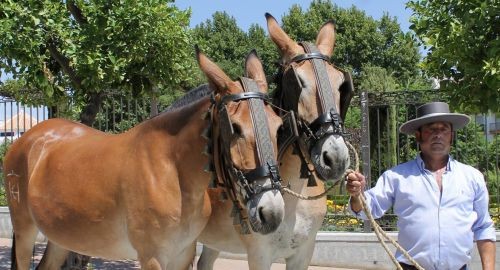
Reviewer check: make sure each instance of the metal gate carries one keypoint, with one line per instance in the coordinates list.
(381, 147)
(376, 138)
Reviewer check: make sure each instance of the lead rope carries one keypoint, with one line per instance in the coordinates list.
(379, 233)
(376, 228)
(315, 197)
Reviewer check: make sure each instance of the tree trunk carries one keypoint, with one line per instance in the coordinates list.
(154, 103)
(89, 113)
(52, 112)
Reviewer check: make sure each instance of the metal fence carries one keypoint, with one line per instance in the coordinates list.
(381, 147)
(377, 141)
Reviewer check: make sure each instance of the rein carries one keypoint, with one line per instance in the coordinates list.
(315, 197)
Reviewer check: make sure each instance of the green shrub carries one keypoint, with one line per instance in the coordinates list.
(3, 150)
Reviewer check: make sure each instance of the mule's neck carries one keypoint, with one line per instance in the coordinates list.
(177, 132)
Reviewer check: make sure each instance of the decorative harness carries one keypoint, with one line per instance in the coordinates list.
(305, 135)
(227, 175)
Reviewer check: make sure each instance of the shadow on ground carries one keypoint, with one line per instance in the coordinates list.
(94, 263)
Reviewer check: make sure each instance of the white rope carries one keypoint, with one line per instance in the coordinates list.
(379, 233)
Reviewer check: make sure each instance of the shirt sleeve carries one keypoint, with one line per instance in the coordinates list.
(483, 228)
(379, 199)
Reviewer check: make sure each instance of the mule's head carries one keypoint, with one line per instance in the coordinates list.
(247, 142)
(318, 93)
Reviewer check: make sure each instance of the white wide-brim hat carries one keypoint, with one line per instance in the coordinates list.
(434, 112)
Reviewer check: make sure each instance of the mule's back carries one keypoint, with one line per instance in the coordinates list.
(39, 140)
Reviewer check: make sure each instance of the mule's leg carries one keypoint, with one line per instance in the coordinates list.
(259, 259)
(25, 238)
(53, 257)
(153, 260)
(302, 257)
(207, 258)
(184, 260)
(150, 263)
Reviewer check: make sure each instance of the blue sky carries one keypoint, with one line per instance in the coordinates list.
(248, 12)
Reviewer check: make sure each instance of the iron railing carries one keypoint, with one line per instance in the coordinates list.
(378, 145)
(381, 146)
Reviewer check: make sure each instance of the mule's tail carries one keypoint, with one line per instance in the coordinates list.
(13, 260)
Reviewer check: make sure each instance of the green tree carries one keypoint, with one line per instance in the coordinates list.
(81, 50)
(377, 79)
(228, 45)
(223, 41)
(398, 52)
(258, 40)
(463, 49)
(361, 40)
(4, 146)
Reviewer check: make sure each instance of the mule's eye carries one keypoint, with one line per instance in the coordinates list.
(237, 130)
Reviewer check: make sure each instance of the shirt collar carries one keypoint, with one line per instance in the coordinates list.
(421, 164)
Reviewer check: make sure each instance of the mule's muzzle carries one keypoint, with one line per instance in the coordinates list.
(265, 212)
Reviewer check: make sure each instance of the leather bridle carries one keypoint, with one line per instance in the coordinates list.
(305, 135)
(235, 180)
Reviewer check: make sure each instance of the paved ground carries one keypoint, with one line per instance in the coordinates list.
(98, 264)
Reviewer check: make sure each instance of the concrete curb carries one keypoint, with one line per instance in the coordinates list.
(333, 249)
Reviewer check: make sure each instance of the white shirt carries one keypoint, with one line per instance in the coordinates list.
(437, 229)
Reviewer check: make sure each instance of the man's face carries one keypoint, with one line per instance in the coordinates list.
(435, 138)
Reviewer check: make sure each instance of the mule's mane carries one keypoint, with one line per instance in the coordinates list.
(190, 97)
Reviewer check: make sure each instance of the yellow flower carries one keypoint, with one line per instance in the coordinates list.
(353, 221)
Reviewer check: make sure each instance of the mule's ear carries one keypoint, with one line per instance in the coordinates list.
(217, 78)
(325, 40)
(254, 70)
(287, 47)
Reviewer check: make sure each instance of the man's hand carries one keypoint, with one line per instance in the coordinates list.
(355, 183)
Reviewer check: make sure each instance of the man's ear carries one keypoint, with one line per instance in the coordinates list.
(418, 136)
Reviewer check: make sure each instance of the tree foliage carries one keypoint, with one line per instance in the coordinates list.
(375, 78)
(361, 40)
(84, 49)
(228, 45)
(463, 46)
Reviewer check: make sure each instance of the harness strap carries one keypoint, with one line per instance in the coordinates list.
(254, 94)
(322, 81)
(308, 56)
(288, 134)
(265, 149)
(330, 117)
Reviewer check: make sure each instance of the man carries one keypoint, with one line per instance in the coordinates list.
(441, 204)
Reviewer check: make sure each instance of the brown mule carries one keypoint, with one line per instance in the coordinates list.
(141, 194)
(319, 94)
